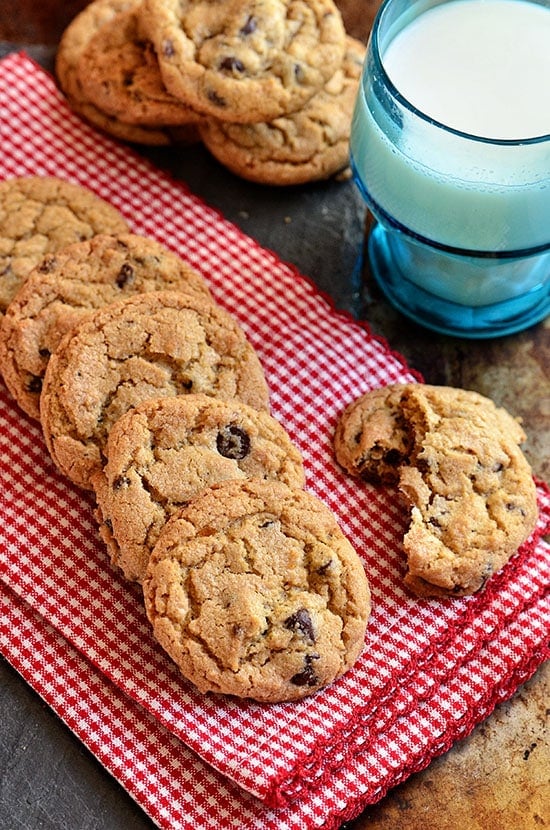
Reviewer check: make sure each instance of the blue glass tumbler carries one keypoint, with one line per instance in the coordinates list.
(461, 241)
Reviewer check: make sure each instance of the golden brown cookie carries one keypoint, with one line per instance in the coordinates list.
(74, 41)
(69, 284)
(245, 60)
(457, 460)
(157, 344)
(38, 216)
(472, 496)
(119, 74)
(165, 451)
(77, 36)
(303, 146)
(254, 591)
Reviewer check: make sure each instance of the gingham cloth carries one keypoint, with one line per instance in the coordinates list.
(431, 669)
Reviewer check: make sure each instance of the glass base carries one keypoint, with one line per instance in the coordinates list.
(485, 321)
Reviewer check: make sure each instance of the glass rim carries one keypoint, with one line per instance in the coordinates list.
(377, 57)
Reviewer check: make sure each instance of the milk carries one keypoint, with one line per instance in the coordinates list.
(481, 67)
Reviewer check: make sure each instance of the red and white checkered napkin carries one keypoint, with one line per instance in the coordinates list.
(431, 669)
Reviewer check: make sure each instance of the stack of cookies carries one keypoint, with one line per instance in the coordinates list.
(457, 461)
(150, 395)
(267, 85)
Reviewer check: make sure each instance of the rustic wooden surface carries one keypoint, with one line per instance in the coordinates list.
(499, 777)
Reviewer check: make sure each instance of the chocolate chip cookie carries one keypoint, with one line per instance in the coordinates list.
(119, 73)
(164, 452)
(457, 460)
(69, 284)
(68, 69)
(245, 60)
(254, 591)
(38, 216)
(156, 344)
(307, 145)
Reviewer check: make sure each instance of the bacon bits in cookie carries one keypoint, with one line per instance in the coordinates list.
(68, 285)
(457, 461)
(38, 216)
(156, 344)
(254, 591)
(245, 60)
(164, 452)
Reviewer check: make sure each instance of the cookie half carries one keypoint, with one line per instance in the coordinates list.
(471, 491)
(304, 146)
(373, 438)
(456, 459)
(245, 60)
(66, 286)
(254, 591)
(38, 216)
(164, 452)
(156, 344)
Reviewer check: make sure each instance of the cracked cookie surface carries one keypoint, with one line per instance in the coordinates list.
(470, 487)
(119, 74)
(66, 286)
(164, 452)
(457, 460)
(307, 145)
(39, 215)
(156, 344)
(254, 591)
(72, 46)
(245, 60)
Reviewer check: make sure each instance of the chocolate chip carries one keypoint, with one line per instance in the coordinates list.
(511, 507)
(47, 265)
(215, 98)
(299, 72)
(120, 482)
(232, 64)
(324, 568)
(307, 677)
(302, 623)
(125, 275)
(44, 352)
(35, 385)
(233, 442)
(168, 49)
(250, 26)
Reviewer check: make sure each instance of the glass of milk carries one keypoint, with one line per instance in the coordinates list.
(450, 147)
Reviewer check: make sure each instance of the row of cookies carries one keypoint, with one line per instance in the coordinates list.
(150, 395)
(268, 87)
